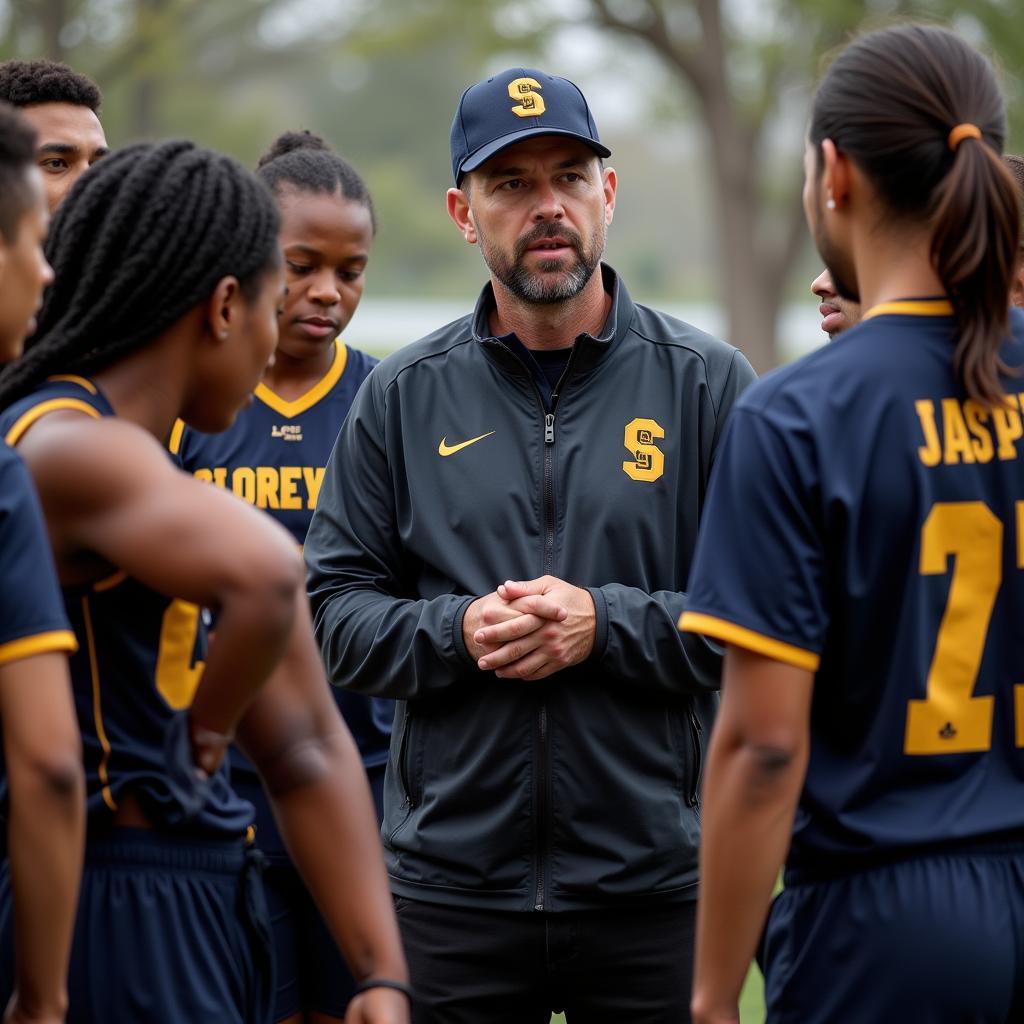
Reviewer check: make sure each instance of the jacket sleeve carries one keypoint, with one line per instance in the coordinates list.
(637, 636)
(375, 638)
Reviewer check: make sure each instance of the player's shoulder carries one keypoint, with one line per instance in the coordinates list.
(357, 362)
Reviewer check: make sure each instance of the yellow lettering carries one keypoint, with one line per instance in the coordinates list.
(958, 444)
(205, 475)
(313, 476)
(290, 476)
(220, 476)
(931, 451)
(530, 102)
(982, 445)
(648, 459)
(266, 487)
(243, 484)
(1008, 427)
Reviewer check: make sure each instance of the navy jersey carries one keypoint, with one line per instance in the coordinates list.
(866, 521)
(138, 662)
(274, 457)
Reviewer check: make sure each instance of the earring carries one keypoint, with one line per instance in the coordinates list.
(831, 204)
(223, 335)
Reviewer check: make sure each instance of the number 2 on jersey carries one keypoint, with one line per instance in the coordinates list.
(951, 720)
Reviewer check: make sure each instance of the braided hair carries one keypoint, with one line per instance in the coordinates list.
(306, 162)
(142, 239)
(24, 82)
(17, 153)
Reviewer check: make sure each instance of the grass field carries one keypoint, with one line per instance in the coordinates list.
(751, 1001)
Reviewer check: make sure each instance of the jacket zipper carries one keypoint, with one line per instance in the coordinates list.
(548, 503)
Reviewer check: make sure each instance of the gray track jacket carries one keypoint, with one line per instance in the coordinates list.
(581, 790)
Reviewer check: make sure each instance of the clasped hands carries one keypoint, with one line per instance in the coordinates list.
(530, 629)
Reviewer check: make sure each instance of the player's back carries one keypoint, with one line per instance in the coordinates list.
(917, 494)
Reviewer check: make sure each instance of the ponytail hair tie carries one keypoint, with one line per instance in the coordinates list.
(961, 132)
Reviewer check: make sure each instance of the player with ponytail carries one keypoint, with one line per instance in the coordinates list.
(861, 558)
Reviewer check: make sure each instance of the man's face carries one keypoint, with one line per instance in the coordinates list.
(540, 211)
(24, 272)
(837, 313)
(71, 140)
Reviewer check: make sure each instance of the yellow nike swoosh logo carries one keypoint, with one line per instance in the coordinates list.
(444, 449)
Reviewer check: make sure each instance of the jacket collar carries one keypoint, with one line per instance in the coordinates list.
(590, 348)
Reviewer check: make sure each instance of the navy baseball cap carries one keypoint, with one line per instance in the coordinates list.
(515, 105)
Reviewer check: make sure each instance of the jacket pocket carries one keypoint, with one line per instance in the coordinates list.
(409, 760)
(696, 758)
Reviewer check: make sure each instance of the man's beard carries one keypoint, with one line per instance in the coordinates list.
(844, 278)
(549, 284)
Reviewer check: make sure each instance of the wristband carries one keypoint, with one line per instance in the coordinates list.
(398, 986)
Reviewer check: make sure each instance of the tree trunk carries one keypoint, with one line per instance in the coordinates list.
(53, 16)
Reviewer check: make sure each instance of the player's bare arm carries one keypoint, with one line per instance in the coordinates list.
(311, 769)
(113, 501)
(46, 830)
(756, 766)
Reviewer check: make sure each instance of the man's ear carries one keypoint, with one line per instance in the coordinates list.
(223, 311)
(460, 212)
(610, 182)
(836, 176)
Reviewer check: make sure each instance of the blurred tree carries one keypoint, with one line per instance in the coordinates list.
(748, 69)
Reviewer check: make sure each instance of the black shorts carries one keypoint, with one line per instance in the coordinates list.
(932, 940)
(168, 930)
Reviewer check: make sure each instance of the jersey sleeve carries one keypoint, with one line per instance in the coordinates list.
(32, 617)
(757, 579)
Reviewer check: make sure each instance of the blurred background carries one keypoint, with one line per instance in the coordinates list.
(703, 103)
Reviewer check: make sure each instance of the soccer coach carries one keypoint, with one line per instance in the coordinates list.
(542, 802)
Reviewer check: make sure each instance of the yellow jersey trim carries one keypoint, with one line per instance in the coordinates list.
(97, 707)
(911, 307)
(73, 378)
(177, 431)
(39, 643)
(730, 633)
(109, 582)
(37, 412)
(314, 394)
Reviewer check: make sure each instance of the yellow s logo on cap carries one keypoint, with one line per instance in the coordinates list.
(531, 104)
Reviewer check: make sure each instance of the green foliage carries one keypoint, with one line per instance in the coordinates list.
(380, 79)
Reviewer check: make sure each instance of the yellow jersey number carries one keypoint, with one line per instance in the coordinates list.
(176, 676)
(951, 720)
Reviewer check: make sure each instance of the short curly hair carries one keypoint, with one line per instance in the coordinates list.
(17, 152)
(24, 82)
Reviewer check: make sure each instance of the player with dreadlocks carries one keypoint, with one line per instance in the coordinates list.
(167, 284)
(63, 108)
(274, 457)
(41, 778)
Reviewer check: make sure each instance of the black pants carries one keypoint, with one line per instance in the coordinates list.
(615, 966)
